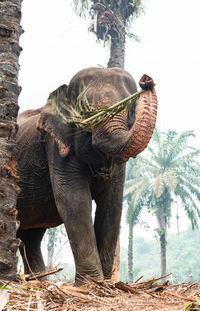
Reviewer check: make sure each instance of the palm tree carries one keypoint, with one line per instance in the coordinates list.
(132, 218)
(10, 31)
(169, 170)
(135, 203)
(111, 20)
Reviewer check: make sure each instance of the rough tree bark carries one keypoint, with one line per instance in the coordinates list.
(111, 23)
(10, 31)
(117, 49)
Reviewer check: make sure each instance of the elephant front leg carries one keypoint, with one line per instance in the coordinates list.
(86, 255)
(80, 230)
(74, 204)
(108, 217)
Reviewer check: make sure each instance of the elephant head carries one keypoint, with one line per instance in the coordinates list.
(124, 135)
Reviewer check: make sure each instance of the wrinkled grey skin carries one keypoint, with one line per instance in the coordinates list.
(61, 172)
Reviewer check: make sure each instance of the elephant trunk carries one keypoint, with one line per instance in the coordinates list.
(142, 130)
(124, 143)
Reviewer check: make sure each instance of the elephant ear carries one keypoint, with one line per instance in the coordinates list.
(52, 120)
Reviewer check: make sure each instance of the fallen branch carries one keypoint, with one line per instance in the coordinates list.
(126, 288)
(74, 289)
(69, 290)
(138, 279)
(35, 276)
(152, 280)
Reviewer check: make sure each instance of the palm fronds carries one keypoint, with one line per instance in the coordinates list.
(85, 116)
(172, 167)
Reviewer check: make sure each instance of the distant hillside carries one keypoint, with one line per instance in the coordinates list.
(183, 258)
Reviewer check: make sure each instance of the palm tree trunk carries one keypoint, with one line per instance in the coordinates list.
(117, 49)
(50, 252)
(10, 31)
(117, 52)
(130, 254)
(162, 221)
(163, 253)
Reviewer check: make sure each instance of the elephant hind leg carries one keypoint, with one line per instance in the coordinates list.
(31, 242)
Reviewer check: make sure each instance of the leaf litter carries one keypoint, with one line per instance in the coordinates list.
(100, 295)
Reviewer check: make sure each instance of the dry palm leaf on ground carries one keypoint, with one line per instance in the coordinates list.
(101, 295)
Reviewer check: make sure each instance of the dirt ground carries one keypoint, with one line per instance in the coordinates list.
(52, 295)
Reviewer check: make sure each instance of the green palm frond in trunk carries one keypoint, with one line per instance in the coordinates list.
(83, 114)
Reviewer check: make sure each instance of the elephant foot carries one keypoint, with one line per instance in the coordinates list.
(84, 279)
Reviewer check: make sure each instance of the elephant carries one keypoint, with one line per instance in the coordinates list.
(62, 168)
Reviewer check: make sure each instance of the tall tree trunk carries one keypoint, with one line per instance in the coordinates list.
(50, 249)
(10, 31)
(163, 253)
(162, 222)
(130, 254)
(117, 49)
(117, 52)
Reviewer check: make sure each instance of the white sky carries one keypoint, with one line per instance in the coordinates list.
(56, 44)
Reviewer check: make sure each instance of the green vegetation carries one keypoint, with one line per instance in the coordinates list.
(183, 256)
(84, 116)
(129, 9)
(168, 171)
(110, 20)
